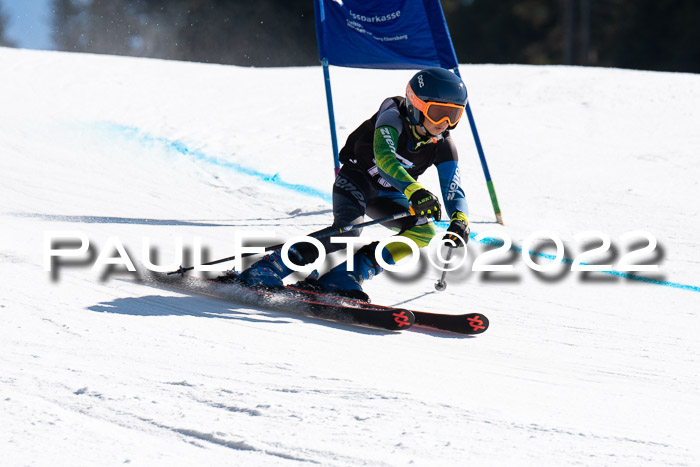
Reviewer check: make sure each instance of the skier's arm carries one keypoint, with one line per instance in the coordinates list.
(424, 203)
(455, 201)
(386, 138)
(452, 192)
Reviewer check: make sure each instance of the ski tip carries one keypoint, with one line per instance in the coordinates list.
(477, 323)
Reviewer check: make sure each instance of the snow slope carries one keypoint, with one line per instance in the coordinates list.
(97, 369)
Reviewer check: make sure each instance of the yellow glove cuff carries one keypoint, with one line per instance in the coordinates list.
(459, 216)
(412, 188)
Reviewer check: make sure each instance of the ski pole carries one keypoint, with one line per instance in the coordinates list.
(327, 232)
(441, 284)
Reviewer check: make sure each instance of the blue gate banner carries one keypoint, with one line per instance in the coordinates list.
(390, 34)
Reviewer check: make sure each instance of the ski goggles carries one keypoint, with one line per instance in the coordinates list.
(436, 112)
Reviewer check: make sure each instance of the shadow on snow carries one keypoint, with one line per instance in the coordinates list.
(220, 308)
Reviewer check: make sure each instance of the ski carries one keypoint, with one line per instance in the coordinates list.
(467, 323)
(392, 319)
(302, 299)
(291, 300)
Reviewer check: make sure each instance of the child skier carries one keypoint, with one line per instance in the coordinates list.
(382, 159)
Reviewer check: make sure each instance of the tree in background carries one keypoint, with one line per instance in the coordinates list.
(239, 32)
(506, 31)
(4, 42)
(661, 35)
(644, 34)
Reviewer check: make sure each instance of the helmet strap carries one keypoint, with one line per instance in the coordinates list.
(415, 129)
(423, 130)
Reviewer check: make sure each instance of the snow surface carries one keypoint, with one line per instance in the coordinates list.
(576, 369)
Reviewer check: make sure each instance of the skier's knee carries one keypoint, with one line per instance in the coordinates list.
(421, 234)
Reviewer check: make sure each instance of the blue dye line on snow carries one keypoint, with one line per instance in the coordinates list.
(199, 156)
(624, 275)
(182, 148)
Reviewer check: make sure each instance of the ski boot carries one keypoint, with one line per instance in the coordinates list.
(269, 271)
(340, 281)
